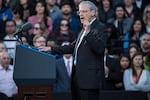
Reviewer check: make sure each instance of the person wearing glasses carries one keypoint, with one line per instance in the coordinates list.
(88, 52)
(63, 32)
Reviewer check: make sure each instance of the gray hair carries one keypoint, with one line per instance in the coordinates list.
(92, 6)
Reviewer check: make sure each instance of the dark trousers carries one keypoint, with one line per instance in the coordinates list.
(89, 94)
(11, 98)
(84, 94)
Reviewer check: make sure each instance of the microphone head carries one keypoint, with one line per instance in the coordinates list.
(27, 26)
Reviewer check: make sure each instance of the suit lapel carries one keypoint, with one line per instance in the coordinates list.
(78, 38)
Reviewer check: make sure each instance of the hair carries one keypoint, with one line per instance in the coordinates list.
(117, 6)
(133, 68)
(57, 32)
(144, 13)
(3, 4)
(110, 1)
(45, 11)
(144, 35)
(92, 6)
(126, 56)
(142, 28)
(2, 42)
(10, 20)
(38, 36)
(133, 46)
(30, 6)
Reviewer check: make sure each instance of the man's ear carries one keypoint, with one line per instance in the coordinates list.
(93, 13)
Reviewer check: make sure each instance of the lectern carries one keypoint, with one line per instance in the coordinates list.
(34, 73)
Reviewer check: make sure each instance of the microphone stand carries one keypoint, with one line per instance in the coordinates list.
(18, 36)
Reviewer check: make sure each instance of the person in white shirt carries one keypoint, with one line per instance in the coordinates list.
(7, 84)
(10, 40)
(137, 78)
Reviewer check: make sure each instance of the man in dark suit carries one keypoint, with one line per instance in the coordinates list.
(88, 71)
(63, 72)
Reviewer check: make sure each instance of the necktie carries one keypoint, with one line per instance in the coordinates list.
(68, 67)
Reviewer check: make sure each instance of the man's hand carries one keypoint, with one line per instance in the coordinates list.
(86, 26)
(43, 48)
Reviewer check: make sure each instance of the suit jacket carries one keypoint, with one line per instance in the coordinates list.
(63, 81)
(89, 69)
(114, 75)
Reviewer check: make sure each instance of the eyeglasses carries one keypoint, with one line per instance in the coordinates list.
(62, 24)
(15, 12)
(148, 11)
(82, 11)
(36, 28)
(40, 41)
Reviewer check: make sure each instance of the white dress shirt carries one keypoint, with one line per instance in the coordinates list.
(10, 45)
(7, 84)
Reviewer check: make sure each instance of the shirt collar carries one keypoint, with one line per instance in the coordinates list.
(1, 68)
(68, 59)
(92, 20)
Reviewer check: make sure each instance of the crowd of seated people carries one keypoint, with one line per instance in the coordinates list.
(127, 56)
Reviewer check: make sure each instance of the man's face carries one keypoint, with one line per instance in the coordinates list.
(10, 27)
(5, 60)
(85, 13)
(66, 9)
(119, 12)
(145, 42)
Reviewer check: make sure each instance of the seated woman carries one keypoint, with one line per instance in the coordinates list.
(136, 78)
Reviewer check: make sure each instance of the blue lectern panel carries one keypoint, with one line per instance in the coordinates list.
(33, 67)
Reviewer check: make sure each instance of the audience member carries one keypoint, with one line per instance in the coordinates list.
(5, 12)
(124, 64)
(67, 14)
(63, 32)
(131, 10)
(51, 42)
(147, 62)
(9, 40)
(141, 4)
(17, 18)
(26, 8)
(41, 17)
(54, 12)
(137, 29)
(39, 40)
(136, 78)
(7, 84)
(2, 46)
(122, 23)
(146, 18)
(112, 36)
(145, 44)
(132, 50)
(63, 72)
(105, 10)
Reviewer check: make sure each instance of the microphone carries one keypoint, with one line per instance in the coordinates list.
(24, 28)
